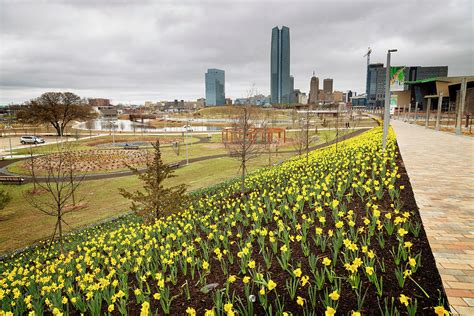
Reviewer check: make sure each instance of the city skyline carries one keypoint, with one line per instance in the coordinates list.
(138, 52)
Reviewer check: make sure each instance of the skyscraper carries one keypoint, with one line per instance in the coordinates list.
(215, 87)
(314, 90)
(327, 86)
(281, 89)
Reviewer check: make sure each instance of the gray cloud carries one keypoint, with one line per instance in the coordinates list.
(156, 50)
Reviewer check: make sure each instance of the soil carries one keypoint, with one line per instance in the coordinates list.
(427, 275)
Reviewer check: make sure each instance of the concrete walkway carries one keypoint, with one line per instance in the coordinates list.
(441, 170)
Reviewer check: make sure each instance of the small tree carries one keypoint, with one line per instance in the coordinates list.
(303, 139)
(60, 184)
(155, 200)
(244, 145)
(5, 198)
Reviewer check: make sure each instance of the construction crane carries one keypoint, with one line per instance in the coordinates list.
(369, 51)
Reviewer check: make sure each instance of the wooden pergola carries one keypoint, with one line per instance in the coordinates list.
(255, 134)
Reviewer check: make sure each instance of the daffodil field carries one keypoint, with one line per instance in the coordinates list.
(339, 235)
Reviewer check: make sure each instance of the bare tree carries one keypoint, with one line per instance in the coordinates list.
(60, 183)
(31, 167)
(57, 109)
(244, 144)
(155, 200)
(303, 139)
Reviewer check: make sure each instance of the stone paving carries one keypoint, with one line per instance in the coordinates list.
(441, 170)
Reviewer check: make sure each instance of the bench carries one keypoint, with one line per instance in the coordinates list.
(130, 147)
(11, 180)
(174, 165)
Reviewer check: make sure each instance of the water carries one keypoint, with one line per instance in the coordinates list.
(129, 126)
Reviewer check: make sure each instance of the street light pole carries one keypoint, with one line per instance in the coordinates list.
(386, 116)
(9, 127)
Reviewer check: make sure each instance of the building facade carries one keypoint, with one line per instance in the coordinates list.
(215, 87)
(280, 82)
(327, 85)
(314, 90)
(99, 102)
(376, 81)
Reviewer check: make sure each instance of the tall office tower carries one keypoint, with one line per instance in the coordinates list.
(215, 87)
(292, 90)
(327, 86)
(280, 66)
(314, 90)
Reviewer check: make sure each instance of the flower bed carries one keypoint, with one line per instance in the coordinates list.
(340, 234)
(93, 160)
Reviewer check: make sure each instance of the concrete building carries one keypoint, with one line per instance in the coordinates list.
(420, 91)
(215, 87)
(300, 97)
(338, 96)
(327, 85)
(280, 82)
(108, 112)
(313, 90)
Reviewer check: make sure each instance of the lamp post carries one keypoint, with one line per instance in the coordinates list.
(9, 127)
(386, 116)
(112, 126)
(188, 126)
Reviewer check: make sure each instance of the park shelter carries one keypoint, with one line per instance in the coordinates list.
(255, 135)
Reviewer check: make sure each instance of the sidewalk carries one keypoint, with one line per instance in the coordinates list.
(441, 170)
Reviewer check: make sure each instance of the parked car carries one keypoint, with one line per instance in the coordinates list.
(31, 140)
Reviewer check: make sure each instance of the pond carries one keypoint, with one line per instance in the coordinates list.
(139, 127)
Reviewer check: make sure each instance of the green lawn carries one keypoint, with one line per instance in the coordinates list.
(195, 149)
(22, 225)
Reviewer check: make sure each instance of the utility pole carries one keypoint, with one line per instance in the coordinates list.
(386, 117)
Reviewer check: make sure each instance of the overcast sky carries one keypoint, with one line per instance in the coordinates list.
(159, 50)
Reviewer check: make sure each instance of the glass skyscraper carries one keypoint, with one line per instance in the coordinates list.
(215, 87)
(281, 89)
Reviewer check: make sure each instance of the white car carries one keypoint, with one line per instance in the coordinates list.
(31, 140)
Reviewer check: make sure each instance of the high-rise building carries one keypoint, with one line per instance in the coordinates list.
(327, 86)
(314, 90)
(215, 87)
(280, 66)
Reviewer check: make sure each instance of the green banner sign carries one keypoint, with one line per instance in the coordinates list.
(397, 78)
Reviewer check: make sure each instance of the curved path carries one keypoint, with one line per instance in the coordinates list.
(4, 164)
(440, 166)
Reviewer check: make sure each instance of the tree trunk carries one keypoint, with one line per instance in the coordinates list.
(242, 185)
(60, 228)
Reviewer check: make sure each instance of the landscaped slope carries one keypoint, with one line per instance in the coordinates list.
(341, 233)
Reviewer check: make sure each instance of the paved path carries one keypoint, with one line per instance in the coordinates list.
(441, 170)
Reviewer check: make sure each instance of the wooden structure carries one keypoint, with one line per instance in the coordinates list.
(11, 180)
(255, 135)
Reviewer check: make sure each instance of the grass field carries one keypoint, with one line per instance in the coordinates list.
(23, 225)
(196, 149)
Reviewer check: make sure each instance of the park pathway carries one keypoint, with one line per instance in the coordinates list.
(441, 170)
